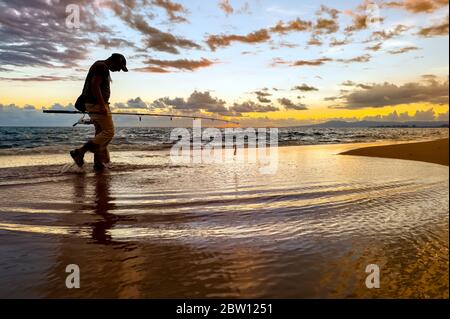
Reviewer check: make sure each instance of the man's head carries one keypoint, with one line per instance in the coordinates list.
(117, 62)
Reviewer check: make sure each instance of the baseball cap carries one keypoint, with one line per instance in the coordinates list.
(121, 59)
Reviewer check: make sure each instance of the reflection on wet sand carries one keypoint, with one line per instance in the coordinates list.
(227, 231)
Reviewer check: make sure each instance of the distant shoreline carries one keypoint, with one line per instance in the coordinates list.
(430, 151)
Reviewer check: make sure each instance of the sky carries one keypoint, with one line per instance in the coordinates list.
(261, 62)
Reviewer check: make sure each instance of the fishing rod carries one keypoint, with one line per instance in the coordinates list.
(83, 121)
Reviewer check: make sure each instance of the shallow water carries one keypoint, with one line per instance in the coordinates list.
(45, 140)
(151, 228)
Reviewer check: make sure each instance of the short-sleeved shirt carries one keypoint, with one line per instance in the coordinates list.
(100, 69)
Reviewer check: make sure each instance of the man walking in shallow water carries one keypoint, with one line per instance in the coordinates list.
(96, 93)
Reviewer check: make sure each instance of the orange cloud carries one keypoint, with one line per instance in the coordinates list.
(171, 8)
(435, 30)
(316, 62)
(295, 25)
(215, 41)
(226, 6)
(166, 66)
(417, 6)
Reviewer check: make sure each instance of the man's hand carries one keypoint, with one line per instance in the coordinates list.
(103, 109)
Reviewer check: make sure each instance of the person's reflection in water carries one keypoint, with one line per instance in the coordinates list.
(104, 203)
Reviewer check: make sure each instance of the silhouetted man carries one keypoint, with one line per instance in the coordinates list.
(96, 93)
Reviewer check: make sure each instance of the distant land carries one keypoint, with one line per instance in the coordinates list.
(375, 124)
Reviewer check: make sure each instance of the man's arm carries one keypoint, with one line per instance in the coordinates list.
(95, 87)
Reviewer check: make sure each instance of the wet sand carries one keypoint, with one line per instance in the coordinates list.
(149, 228)
(430, 151)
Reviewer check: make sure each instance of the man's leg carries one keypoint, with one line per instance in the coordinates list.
(106, 158)
(98, 152)
(104, 132)
(102, 139)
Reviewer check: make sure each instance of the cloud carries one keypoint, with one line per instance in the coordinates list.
(262, 96)
(216, 41)
(348, 83)
(387, 94)
(136, 103)
(13, 115)
(353, 84)
(315, 62)
(297, 25)
(358, 59)
(376, 47)
(334, 42)
(326, 25)
(41, 78)
(112, 42)
(289, 45)
(289, 105)
(172, 9)
(60, 107)
(259, 36)
(314, 40)
(226, 7)
(278, 61)
(359, 22)
(429, 77)
(197, 101)
(443, 117)
(417, 6)
(153, 38)
(403, 50)
(388, 34)
(427, 115)
(34, 33)
(322, 61)
(252, 107)
(304, 88)
(363, 17)
(166, 66)
(439, 29)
